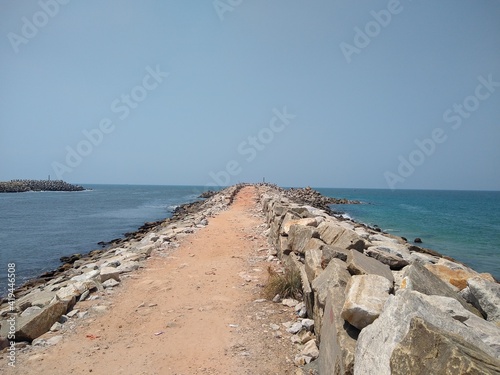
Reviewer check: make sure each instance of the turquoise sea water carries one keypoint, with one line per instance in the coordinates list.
(36, 229)
(462, 224)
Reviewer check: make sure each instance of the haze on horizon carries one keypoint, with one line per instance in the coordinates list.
(384, 94)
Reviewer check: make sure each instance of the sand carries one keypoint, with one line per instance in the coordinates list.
(191, 310)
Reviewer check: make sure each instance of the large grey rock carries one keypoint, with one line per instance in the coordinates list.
(128, 266)
(377, 341)
(313, 263)
(91, 275)
(329, 231)
(487, 295)
(365, 299)
(333, 233)
(32, 310)
(330, 252)
(334, 279)
(35, 298)
(338, 339)
(307, 291)
(487, 331)
(293, 220)
(31, 326)
(417, 277)
(389, 256)
(427, 349)
(110, 273)
(360, 264)
(299, 236)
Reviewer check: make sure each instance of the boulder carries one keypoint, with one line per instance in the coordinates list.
(487, 331)
(329, 231)
(417, 277)
(427, 349)
(91, 275)
(128, 266)
(455, 274)
(299, 236)
(288, 220)
(334, 279)
(307, 292)
(307, 222)
(313, 264)
(377, 342)
(360, 264)
(393, 261)
(338, 338)
(330, 252)
(110, 273)
(365, 299)
(487, 295)
(32, 326)
(35, 298)
(334, 234)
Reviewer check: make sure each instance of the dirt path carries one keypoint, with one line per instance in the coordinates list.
(190, 311)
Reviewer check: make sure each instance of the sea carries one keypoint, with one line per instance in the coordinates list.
(38, 228)
(464, 225)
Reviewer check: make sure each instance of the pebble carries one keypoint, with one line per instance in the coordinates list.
(290, 302)
(274, 327)
(308, 324)
(295, 328)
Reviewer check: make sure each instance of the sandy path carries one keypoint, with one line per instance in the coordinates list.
(190, 311)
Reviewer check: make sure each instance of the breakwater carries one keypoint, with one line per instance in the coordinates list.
(381, 305)
(376, 304)
(21, 186)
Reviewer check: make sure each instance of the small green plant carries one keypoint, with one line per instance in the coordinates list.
(287, 285)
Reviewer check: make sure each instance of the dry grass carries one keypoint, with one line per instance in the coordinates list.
(287, 285)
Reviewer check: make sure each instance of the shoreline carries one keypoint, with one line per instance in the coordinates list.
(329, 253)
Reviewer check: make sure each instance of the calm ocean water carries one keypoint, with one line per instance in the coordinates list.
(37, 228)
(462, 224)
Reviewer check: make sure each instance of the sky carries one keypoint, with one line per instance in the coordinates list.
(348, 94)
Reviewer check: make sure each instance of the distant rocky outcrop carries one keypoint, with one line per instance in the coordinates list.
(21, 186)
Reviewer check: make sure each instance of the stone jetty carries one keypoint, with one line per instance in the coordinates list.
(21, 186)
(371, 302)
(381, 305)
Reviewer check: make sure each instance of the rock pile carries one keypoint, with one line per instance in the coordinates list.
(380, 305)
(54, 298)
(20, 186)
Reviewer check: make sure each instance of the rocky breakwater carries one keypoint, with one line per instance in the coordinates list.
(380, 305)
(21, 186)
(56, 300)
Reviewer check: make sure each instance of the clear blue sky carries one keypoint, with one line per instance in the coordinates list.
(324, 93)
